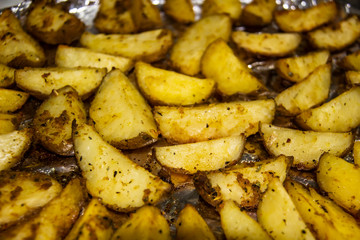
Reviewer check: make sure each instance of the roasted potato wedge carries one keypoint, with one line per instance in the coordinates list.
(180, 10)
(22, 193)
(201, 123)
(190, 225)
(8, 122)
(40, 82)
(121, 115)
(12, 100)
(352, 61)
(53, 120)
(147, 46)
(237, 224)
(296, 69)
(336, 37)
(310, 92)
(67, 56)
(146, 16)
(325, 219)
(51, 24)
(17, 48)
(267, 44)
(242, 184)
(237, 79)
(278, 215)
(338, 115)
(120, 183)
(353, 77)
(305, 146)
(145, 224)
(201, 156)
(6, 76)
(187, 51)
(13, 146)
(340, 179)
(232, 8)
(165, 87)
(303, 20)
(258, 13)
(356, 153)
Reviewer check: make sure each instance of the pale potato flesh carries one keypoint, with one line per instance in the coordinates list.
(12, 100)
(201, 156)
(194, 124)
(258, 13)
(8, 122)
(120, 113)
(312, 91)
(187, 51)
(353, 77)
(6, 76)
(180, 10)
(233, 8)
(352, 61)
(120, 183)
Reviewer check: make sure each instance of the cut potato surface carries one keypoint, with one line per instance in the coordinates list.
(195, 124)
(233, 8)
(12, 100)
(353, 77)
(170, 88)
(6, 76)
(146, 16)
(120, 183)
(121, 115)
(258, 13)
(356, 153)
(305, 146)
(8, 122)
(201, 156)
(180, 10)
(352, 61)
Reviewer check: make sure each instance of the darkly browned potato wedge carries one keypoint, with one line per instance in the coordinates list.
(258, 13)
(17, 48)
(180, 10)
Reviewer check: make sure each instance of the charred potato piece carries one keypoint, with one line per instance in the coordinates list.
(121, 115)
(186, 53)
(13, 146)
(6, 76)
(147, 46)
(352, 61)
(8, 122)
(258, 13)
(146, 16)
(232, 8)
(110, 175)
(353, 77)
(299, 20)
(180, 10)
(40, 82)
(165, 87)
(12, 100)
(17, 48)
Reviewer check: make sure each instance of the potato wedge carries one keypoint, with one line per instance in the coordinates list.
(303, 20)
(95, 222)
(191, 225)
(278, 215)
(17, 48)
(338, 115)
(236, 79)
(165, 87)
(180, 10)
(305, 146)
(352, 61)
(12, 100)
(40, 82)
(8, 122)
(340, 179)
(195, 124)
(51, 24)
(233, 8)
(146, 16)
(6, 76)
(336, 37)
(121, 115)
(356, 153)
(13, 146)
(22, 193)
(145, 224)
(353, 77)
(267, 44)
(67, 56)
(326, 219)
(310, 92)
(296, 69)
(237, 224)
(110, 175)
(201, 156)
(258, 13)
(147, 46)
(186, 53)
(242, 184)
(53, 120)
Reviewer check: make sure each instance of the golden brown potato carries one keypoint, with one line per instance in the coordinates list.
(165, 87)
(353, 77)
(9, 122)
(12, 100)
(180, 10)
(187, 51)
(232, 8)
(6, 76)
(267, 44)
(201, 123)
(352, 61)
(121, 115)
(190, 225)
(146, 16)
(258, 13)
(303, 20)
(17, 48)
(147, 46)
(51, 24)
(356, 153)
(297, 68)
(110, 175)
